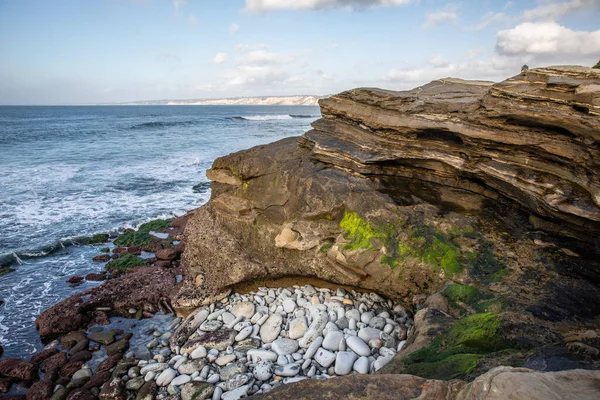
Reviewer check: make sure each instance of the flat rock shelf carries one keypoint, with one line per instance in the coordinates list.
(251, 343)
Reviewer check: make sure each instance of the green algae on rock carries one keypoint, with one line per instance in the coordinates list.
(124, 264)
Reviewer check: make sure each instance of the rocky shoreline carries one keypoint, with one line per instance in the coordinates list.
(455, 226)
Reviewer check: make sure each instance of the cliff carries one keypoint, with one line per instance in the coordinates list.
(486, 196)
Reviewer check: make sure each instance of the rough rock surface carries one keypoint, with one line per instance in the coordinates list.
(517, 160)
(383, 387)
(486, 194)
(146, 288)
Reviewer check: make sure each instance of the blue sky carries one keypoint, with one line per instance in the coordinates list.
(77, 52)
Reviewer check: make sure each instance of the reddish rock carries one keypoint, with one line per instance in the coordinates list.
(97, 380)
(145, 288)
(5, 384)
(166, 254)
(108, 364)
(41, 390)
(13, 397)
(182, 221)
(114, 256)
(75, 279)
(18, 369)
(70, 368)
(81, 394)
(101, 258)
(180, 247)
(82, 355)
(44, 354)
(163, 264)
(136, 250)
(96, 277)
(1, 350)
(120, 250)
(100, 318)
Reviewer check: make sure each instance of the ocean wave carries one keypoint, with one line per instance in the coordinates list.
(161, 124)
(272, 117)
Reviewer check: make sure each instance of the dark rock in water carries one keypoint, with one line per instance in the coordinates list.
(82, 344)
(97, 380)
(135, 250)
(145, 288)
(43, 355)
(13, 397)
(1, 350)
(5, 384)
(108, 364)
(104, 338)
(82, 355)
(117, 347)
(18, 369)
(147, 391)
(113, 390)
(102, 258)
(81, 394)
(54, 362)
(4, 271)
(96, 277)
(70, 368)
(41, 390)
(75, 279)
(166, 254)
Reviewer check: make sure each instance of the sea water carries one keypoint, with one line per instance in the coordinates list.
(73, 171)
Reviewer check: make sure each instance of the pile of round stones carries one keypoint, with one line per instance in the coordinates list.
(251, 343)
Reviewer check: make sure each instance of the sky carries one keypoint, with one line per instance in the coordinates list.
(98, 51)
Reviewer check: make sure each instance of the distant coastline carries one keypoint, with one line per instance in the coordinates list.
(299, 100)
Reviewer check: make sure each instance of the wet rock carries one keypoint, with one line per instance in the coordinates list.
(135, 383)
(97, 380)
(113, 390)
(41, 390)
(82, 355)
(70, 368)
(42, 355)
(75, 279)
(81, 394)
(54, 362)
(5, 384)
(104, 338)
(118, 347)
(139, 289)
(102, 258)
(96, 277)
(108, 364)
(147, 391)
(18, 369)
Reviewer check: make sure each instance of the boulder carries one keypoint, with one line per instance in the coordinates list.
(144, 288)
(18, 369)
(41, 390)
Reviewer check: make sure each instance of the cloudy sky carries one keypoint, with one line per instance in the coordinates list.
(74, 51)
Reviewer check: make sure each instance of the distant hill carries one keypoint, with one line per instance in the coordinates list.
(252, 101)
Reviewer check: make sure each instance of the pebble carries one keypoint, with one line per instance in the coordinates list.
(289, 305)
(181, 380)
(358, 346)
(284, 346)
(224, 360)
(332, 340)
(244, 333)
(166, 377)
(361, 365)
(263, 370)
(367, 334)
(257, 355)
(298, 327)
(287, 370)
(271, 328)
(244, 309)
(324, 357)
(199, 352)
(344, 361)
(312, 349)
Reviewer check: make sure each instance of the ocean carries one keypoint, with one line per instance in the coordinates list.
(69, 172)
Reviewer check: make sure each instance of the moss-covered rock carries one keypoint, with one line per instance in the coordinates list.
(142, 236)
(97, 238)
(6, 270)
(124, 263)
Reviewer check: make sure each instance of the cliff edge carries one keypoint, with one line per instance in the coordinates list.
(476, 204)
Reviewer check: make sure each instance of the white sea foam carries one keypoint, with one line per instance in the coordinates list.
(271, 117)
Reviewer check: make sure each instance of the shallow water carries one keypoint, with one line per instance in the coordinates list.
(75, 171)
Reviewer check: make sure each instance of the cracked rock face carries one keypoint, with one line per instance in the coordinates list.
(391, 191)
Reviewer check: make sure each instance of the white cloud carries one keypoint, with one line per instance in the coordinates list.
(557, 9)
(249, 75)
(263, 57)
(447, 14)
(272, 5)
(220, 58)
(547, 38)
(439, 62)
(250, 47)
(234, 28)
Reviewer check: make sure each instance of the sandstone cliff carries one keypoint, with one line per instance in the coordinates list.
(488, 194)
